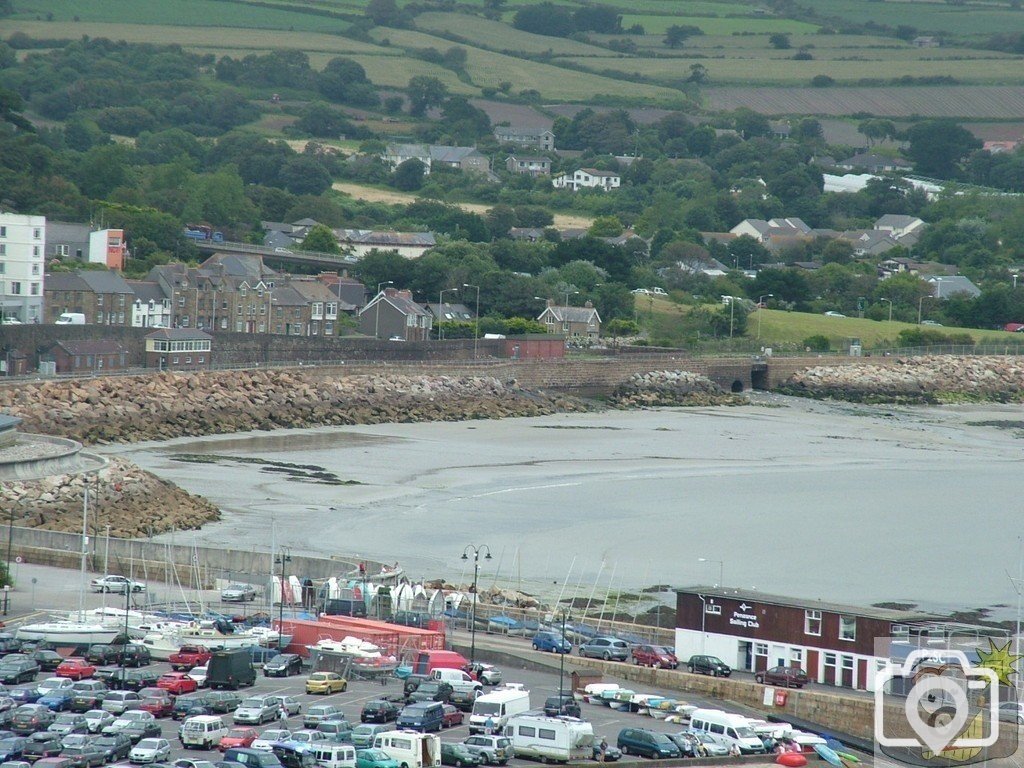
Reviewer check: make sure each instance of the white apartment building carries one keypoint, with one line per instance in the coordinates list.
(22, 247)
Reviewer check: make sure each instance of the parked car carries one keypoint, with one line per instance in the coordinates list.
(150, 751)
(452, 716)
(47, 659)
(337, 729)
(189, 656)
(790, 677)
(320, 712)
(69, 722)
(488, 674)
(238, 737)
(554, 642)
(136, 725)
(115, 746)
(283, 665)
(458, 755)
(607, 648)
(12, 747)
(1012, 712)
(271, 736)
(116, 702)
(58, 699)
(431, 690)
(363, 735)
(379, 711)
(654, 656)
(238, 593)
(374, 758)
(561, 705)
(326, 683)
(133, 655)
(157, 706)
(85, 755)
(251, 758)
(289, 704)
(87, 694)
(42, 744)
(177, 683)
(223, 701)
(257, 710)
(709, 665)
(101, 655)
(492, 750)
(137, 679)
(96, 720)
(611, 754)
(709, 746)
(310, 737)
(116, 584)
(9, 643)
(21, 670)
(640, 741)
(199, 675)
(75, 668)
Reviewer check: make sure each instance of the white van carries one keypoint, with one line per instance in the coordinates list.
(727, 729)
(456, 678)
(498, 707)
(329, 755)
(204, 731)
(410, 749)
(551, 739)
(70, 318)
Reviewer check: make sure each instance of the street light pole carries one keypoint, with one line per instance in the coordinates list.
(759, 308)
(440, 309)
(476, 328)
(919, 303)
(476, 550)
(282, 559)
(376, 320)
(561, 664)
(721, 568)
(890, 307)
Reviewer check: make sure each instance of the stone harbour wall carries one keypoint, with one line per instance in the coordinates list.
(671, 388)
(929, 379)
(133, 502)
(122, 410)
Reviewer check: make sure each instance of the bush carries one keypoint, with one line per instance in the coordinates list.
(817, 343)
(929, 337)
(822, 81)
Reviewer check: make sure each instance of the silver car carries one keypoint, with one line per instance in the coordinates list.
(607, 648)
(238, 593)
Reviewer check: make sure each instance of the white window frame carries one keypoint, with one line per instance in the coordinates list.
(809, 617)
(845, 623)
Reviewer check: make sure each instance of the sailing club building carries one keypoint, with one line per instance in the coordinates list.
(833, 643)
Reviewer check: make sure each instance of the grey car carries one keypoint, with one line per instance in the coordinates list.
(607, 648)
(238, 593)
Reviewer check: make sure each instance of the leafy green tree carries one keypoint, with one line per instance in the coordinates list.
(384, 13)
(304, 175)
(545, 19)
(618, 326)
(103, 169)
(817, 343)
(598, 18)
(500, 219)
(785, 285)
(320, 238)
(937, 147)
(677, 34)
(379, 266)
(425, 92)
(345, 81)
(875, 130)
(408, 176)
(219, 198)
(606, 226)
(779, 41)
(746, 252)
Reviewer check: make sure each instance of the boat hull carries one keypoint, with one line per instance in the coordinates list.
(62, 634)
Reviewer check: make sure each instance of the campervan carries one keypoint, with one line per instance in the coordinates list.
(498, 707)
(727, 729)
(551, 739)
(410, 749)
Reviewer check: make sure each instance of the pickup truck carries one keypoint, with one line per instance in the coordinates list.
(189, 656)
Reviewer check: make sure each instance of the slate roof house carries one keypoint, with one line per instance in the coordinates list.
(87, 356)
(464, 158)
(538, 138)
(572, 321)
(946, 286)
(872, 163)
(534, 165)
(392, 314)
(103, 296)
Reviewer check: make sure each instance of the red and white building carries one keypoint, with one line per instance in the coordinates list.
(753, 631)
(107, 247)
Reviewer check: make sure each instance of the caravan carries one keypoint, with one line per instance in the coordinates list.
(410, 749)
(498, 707)
(551, 739)
(727, 729)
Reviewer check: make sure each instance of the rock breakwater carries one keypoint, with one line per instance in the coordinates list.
(929, 379)
(671, 388)
(123, 410)
(131, 501)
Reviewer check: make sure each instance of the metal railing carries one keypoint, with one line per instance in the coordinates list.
(262, 250)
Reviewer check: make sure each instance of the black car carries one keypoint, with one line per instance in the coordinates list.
(132, 655)
(138, 730)
(283, 665)
(431, 690)
(42, 744)
(709, 665)
(101, 655)
(8, 643)
(564, 704)
(191, 704)
(47, 660)
(379, 711)
(412, 682)
(137, 679)
(87, 694)
(464, 698)
(12, 748)
(86, 755)
(18, 670)
(115, 746)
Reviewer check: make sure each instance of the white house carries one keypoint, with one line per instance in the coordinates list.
(587, 178)
(899, 225)
(22, 246)
(763, 231)
(151, 307)
(359, 242)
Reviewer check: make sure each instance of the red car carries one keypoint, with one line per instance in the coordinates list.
(452, 716)
(75, 668)
(189, 656)
(654, 656)
(177, 683)
(238, 737)
(158, 706)
(789, 677)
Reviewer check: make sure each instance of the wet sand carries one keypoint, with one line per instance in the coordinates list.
(817, 500)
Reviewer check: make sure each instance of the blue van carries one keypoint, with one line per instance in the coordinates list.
(425, 716)
(554, 642)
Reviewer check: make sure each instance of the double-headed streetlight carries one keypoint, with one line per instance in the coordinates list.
(476, 327)
(476, 550)
(376, 319)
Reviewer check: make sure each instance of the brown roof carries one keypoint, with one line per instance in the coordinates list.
(98, 347)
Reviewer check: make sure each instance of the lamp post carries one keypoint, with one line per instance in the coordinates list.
(1015, 281)
(476, 327)
(568, 294)
(759, 308)
(376, 319)
(889, 301)
(440, 309)
(561, 661)
(721, 568)
(476, 549)
(920, 302)
(282, 559)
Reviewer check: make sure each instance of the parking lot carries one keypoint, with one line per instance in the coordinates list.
(606, 722)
